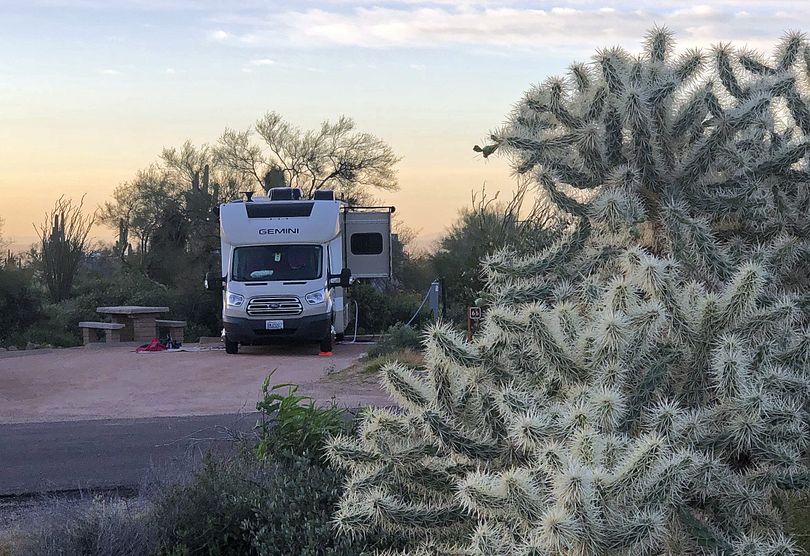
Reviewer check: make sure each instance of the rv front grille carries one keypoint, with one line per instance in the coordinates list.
(274, 307)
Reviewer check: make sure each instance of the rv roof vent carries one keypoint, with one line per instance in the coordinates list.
(324, 195)
(285, 194)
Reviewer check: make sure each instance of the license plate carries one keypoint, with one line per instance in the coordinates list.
(274, 324)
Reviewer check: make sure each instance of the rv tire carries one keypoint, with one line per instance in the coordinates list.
(231, 347)
(339, 337)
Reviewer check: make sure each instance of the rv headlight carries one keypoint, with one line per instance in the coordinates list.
(234, 299)
(313, 298)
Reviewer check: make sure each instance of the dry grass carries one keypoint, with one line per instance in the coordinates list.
(365, 371)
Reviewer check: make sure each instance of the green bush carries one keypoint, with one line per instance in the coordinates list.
(486, 227)
(102, 283)
(378, 310)
(233, 506)
(798, 507)
(244, 506)
(397, 338)
(291, 423)
(19, 304)
(294, 513)
(205, 514)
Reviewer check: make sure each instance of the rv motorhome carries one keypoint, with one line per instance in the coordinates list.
(286, 263)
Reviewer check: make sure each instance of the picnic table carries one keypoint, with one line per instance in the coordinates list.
(140, 323)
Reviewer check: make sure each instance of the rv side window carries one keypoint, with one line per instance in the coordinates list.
(367, 244)
(277, 262)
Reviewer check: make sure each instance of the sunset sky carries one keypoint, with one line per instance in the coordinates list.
(91, 90)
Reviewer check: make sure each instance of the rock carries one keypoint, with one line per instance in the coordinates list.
(32, 345)
(3, 349)
(48, 346)
(12, 348)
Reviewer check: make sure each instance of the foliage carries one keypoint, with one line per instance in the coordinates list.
(167, 217)
(20, 305)
(484, 228)
(616, 401)
(380, 308)
(205, 514)
(243, 506)
(103, 281)
(334, 156)
(104, 527)
(410, 268)
(799, 514)
(707, 151)
(63, 245)
(292, 423)
(293, 514)
(398, 337)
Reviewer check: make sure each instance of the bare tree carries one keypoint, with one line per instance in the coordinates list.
(63, 243)
(196, 169)
(335, 156)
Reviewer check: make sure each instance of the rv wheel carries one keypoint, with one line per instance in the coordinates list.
(231, 347)
(339, 337)
(326, 344)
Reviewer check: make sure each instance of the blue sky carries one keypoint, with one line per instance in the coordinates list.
(91, 90)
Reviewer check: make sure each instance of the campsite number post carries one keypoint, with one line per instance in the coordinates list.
(473, 318)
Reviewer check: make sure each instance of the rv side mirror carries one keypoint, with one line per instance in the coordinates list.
(344, 279)
(213, 281)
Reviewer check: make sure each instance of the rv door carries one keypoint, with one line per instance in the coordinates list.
(367, 243)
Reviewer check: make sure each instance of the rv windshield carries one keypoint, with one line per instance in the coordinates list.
(276, 262)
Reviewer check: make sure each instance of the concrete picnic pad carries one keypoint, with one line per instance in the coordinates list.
(111, 382)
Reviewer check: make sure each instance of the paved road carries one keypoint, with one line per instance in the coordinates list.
(106, 453)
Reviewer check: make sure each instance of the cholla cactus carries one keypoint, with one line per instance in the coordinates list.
(617, 401)
(709, 150)
(633, 413)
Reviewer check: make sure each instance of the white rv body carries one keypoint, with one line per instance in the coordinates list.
(277, 257)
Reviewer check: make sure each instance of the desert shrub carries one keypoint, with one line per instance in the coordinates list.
(204, 515)
(380, 308)
(102, 528)
(799, 520)
(102, 282)
(244, 506)
(398, 337)
(293, 424)
(488, 226)
(293, 513)
(20, 306)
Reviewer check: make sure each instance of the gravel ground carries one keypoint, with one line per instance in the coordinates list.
(107, 382)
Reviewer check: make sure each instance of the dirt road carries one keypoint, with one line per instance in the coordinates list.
(114, 382)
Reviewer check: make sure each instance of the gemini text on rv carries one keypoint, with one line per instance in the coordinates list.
(273, 231)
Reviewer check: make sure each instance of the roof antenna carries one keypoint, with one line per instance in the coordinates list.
(248, 195)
